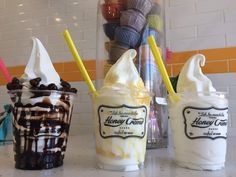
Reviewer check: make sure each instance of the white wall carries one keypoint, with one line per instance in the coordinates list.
(200, 24)
(46, 19)
(190, 25)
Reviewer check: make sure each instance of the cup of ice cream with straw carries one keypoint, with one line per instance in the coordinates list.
(121, 109)
(198, 116)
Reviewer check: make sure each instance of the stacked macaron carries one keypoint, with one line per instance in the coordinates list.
(128, 31)
(154, 18)
(146, 63)
(111, 11)
(154, 27)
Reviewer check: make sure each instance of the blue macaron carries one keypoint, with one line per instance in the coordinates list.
(127, 37)
(109, 29)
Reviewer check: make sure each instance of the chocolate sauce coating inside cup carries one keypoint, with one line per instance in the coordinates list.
(40, 133)
(41, 122)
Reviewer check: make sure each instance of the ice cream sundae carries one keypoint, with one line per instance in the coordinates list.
(43, 105)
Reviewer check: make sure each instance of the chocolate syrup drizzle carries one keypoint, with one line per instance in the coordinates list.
(40, 135)
(41, 130)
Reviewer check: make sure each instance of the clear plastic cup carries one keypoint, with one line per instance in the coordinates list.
(120, 121)
(41, 122)
(199, 129)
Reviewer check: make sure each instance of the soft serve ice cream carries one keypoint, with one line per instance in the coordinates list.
(43, 105)
(40, 65)
(191, 78)
(121, 110)
(198, 119)
(39, 72)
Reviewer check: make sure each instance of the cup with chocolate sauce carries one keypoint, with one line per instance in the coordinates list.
(42, 110)
(41, 122)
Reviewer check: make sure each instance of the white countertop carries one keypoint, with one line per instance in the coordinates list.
(80, 161)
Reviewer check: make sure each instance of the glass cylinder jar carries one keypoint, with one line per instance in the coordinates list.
(124, 25)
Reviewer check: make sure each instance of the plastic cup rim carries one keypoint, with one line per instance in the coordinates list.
(204, 93)
(40, 91)
(146, 93)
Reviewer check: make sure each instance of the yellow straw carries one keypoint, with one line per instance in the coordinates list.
(161, 66)
(79, 62)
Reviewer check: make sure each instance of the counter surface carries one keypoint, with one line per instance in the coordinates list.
(80, 161)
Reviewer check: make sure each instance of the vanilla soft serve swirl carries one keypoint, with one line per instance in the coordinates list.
(123, 76)
(191, 78)
(40, 65)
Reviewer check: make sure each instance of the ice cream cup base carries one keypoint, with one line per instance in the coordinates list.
(200, 167)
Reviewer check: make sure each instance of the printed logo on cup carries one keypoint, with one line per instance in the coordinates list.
(208, 123)
(122, 121)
